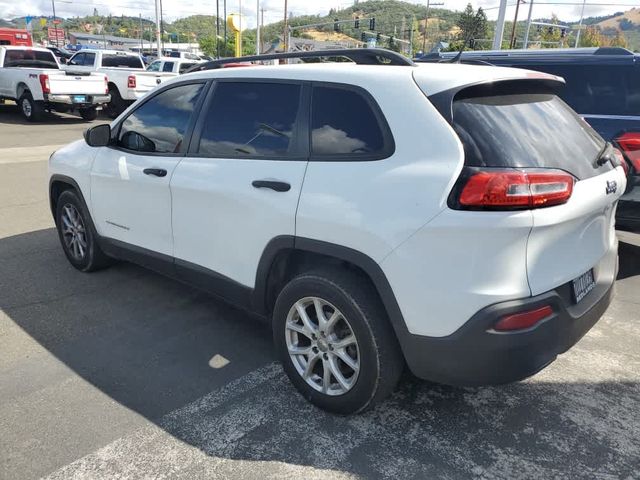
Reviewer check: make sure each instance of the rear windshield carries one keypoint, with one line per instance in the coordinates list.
(30, 58)
(518, 129)
(121, 61)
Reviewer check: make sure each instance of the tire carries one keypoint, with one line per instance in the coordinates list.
(117, 105)
(73, 221)
(375, 353)
(31, 110)
(88, 114)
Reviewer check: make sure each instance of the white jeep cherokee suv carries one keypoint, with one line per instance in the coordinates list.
(458, 219)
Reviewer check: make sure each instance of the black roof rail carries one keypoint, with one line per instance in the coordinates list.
(361, 56)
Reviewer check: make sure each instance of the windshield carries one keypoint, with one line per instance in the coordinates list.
(30, 59)
(121, 61)
(519, 129)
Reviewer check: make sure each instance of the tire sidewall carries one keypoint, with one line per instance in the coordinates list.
(89, 114)
(69, 197)
(28, 98)
(364, 390)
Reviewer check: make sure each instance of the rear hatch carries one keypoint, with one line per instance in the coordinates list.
(63, 82)
(525, 149)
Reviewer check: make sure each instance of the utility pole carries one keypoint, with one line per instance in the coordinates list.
(286, 28)
(161, 26)
(497, 38)
(257, 27)
(579, 25)
(426, 20)
(224, 6)
(261, 23)
(512, 43)
(240, 25)
(158, 46)
(141, 46)
(526, 35)
(218, 28)
(55, 25)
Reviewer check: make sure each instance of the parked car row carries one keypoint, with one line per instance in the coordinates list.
(52, 79)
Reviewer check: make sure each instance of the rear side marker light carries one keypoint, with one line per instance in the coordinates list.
(523, 320)
(44, 83)
(131, 81)
(496, 189)
(106, 85)
(629, 143)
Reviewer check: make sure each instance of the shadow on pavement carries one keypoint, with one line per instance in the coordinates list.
(10, 115)
(146, 342)
(629, 260)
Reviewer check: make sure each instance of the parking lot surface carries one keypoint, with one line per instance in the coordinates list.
(127, 374)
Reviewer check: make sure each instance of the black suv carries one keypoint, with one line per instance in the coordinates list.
(603, 86)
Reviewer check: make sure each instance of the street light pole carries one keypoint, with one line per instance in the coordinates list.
(158, 46)
(218, 28)
(526, 35)
(55, 25)
(257, 27)
(497, 37)
(512, 43)
(286, 28)
(580, 25)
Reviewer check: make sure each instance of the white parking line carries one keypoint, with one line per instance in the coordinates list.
(27, 154)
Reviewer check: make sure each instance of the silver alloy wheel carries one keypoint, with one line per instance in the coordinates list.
(26, 107)
(322, 346)
(73, 232)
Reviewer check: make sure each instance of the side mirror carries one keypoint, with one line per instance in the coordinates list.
(98, 136)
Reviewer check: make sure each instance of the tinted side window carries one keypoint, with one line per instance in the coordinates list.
(121, 61)
(167, 67)
(78, 59)
(89, 59)
(160, 123)
(185, 66)
(598, 89)
(344, 123)
(155, 66)
(251, 119)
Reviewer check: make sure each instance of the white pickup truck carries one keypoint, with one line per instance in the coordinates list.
(127, 78)
(171, 64)
(33, 79)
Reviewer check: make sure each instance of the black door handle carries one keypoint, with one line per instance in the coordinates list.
(277, 186)
(158, 172)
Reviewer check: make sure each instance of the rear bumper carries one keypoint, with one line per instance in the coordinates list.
(476, 355)
(91, 100)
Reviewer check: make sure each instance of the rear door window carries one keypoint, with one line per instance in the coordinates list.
(252, 119)
(167, 67)
(345, 122)
(517, 127)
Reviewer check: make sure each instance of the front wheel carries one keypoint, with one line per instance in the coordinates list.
(88, 113)
(335, 342)
(77, 234)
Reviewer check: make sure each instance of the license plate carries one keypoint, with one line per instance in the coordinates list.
(583, 285)
(79, 98)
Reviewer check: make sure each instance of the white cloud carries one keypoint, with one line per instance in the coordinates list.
(273, 8)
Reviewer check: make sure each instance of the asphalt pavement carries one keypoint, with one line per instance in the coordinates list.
(127, 374)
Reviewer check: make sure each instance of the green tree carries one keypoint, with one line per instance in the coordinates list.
(472, 25)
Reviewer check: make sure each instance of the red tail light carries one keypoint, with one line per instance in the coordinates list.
(520, 321)
(106, 85)
(629, 143)
(44, 83)
(507, 189)
(131, 81)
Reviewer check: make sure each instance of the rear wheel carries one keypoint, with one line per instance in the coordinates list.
(77, 234)
(117, 105)
(31, 110)
(89, 113)
(335, 342)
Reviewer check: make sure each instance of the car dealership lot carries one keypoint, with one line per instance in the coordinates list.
(125, 373)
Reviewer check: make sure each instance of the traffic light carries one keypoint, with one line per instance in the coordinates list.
(363, 37)
(356, 24)
(372, 24)
(336, 25)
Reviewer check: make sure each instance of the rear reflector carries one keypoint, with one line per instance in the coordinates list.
(497, 189)
(520, 321)
(131, 81)
(44, 83)
(629, 143)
